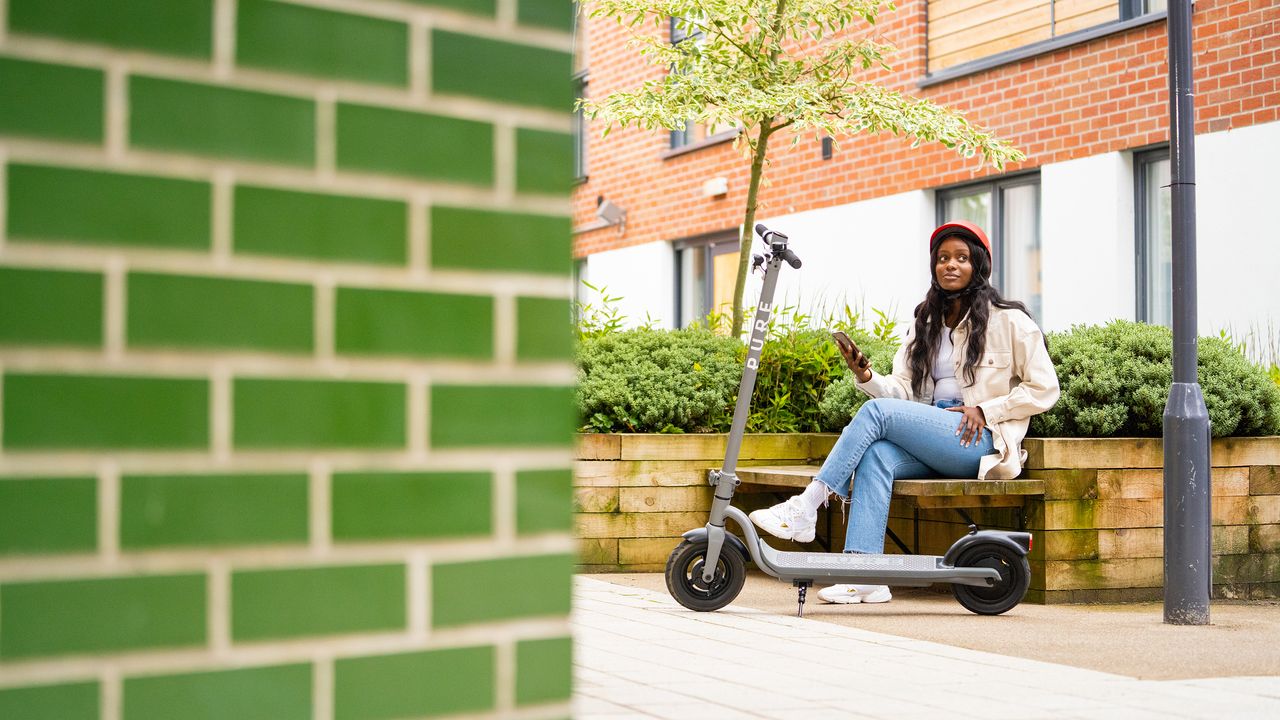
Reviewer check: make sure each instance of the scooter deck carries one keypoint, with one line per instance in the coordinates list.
(899, 570)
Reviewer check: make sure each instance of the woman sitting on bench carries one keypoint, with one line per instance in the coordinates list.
(972, 354)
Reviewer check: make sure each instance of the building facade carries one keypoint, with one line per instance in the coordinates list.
(1080, 228)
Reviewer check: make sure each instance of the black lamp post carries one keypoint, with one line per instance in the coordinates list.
(1188, 560)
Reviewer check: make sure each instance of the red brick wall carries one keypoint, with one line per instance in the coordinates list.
(1105, 95)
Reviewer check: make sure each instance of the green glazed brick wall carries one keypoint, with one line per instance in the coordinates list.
(285, 359)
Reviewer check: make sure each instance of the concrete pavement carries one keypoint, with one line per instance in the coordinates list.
(640, 655)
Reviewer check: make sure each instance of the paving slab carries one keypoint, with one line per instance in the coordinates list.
(1128, 639)
(640, 655)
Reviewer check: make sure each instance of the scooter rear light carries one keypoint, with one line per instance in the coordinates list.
(1031, 541)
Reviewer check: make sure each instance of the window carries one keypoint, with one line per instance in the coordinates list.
(1009, 210)
(706, 269)
(1153, 212)
(579, 91)
(692, 133)
(963, 32)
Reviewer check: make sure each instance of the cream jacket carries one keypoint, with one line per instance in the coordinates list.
(1013, 380)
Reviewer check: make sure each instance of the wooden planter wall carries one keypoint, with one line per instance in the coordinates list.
(1097, 529)
(1099, 533)
(635, 495)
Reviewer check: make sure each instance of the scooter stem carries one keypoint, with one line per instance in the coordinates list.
(727, 480)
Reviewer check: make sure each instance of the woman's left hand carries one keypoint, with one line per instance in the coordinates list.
(971, 424)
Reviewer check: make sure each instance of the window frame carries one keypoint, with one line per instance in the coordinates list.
(710, 245)
(1040, 47)
(579, 78)
(680, 141)
(1142, 159)
(996, 232)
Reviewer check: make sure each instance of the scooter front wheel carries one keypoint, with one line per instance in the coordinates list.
(684, 576)
(1015, 578)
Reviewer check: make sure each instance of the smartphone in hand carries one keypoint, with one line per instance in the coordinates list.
(850, 351)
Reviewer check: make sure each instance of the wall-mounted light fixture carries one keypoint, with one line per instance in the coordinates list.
(610, 214)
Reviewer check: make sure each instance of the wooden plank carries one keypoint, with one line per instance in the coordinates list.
(1098, 453)
(971, 501)
(1065, 545)
(1264, 480)
(991, 33)
(1049, 453)
(595, 500)
(1264, 510)
(1099, 574)
(1071, 8)
(638, 551)
(1126, 513)
(598, 446)
(1246, 451)
(1149, 542)
(939, 487)
(762, 446)
(1073, 484)
(1095, 18)
(1252, 568)
(644, 473)
(665, 499)
(939, 9)
(787, 476)
(820, 445)
(637, 525)
(799, 476)
(597, 551)
(979, 15)
(1149, 482)
(977, 52)
(1111, 596)
(1264, 539)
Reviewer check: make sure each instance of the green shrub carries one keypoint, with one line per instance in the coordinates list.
(647, 380)
(1115, 382)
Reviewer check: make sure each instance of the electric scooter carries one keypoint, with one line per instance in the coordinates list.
(988, 569)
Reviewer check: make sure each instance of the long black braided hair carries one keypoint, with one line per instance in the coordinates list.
(976, 299)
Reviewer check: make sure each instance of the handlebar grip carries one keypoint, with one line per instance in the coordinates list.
(791, 259)
(762, 230)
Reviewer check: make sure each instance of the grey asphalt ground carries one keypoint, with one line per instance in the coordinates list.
(1130, 639)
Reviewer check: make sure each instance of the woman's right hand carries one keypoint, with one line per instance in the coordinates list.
(860, 364)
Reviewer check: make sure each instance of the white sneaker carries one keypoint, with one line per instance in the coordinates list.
(850, 594)
(788, 520)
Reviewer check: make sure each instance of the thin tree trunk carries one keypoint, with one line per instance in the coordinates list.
(757, 170)
(748, 225)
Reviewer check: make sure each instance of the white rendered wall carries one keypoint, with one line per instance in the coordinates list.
(870, 254)
(1087, 241)
(1238, 231)
(642, 275)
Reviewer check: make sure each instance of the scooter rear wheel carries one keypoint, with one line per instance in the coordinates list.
(684, 576)
(1015, 578)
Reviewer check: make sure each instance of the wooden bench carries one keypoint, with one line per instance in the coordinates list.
(959, 495)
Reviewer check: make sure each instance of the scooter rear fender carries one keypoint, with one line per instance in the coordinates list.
(1019, 542)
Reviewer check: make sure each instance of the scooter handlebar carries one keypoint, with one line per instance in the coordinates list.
(769, 236)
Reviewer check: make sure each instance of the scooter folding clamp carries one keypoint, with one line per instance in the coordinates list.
(714, 477)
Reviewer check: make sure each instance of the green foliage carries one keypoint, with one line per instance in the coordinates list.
(768, 65)
(1115, 382)
(646, 380)
(843, 398)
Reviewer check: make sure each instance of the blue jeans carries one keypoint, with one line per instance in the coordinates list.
(891, 439)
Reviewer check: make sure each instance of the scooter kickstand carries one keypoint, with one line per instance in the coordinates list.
(804, 588)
